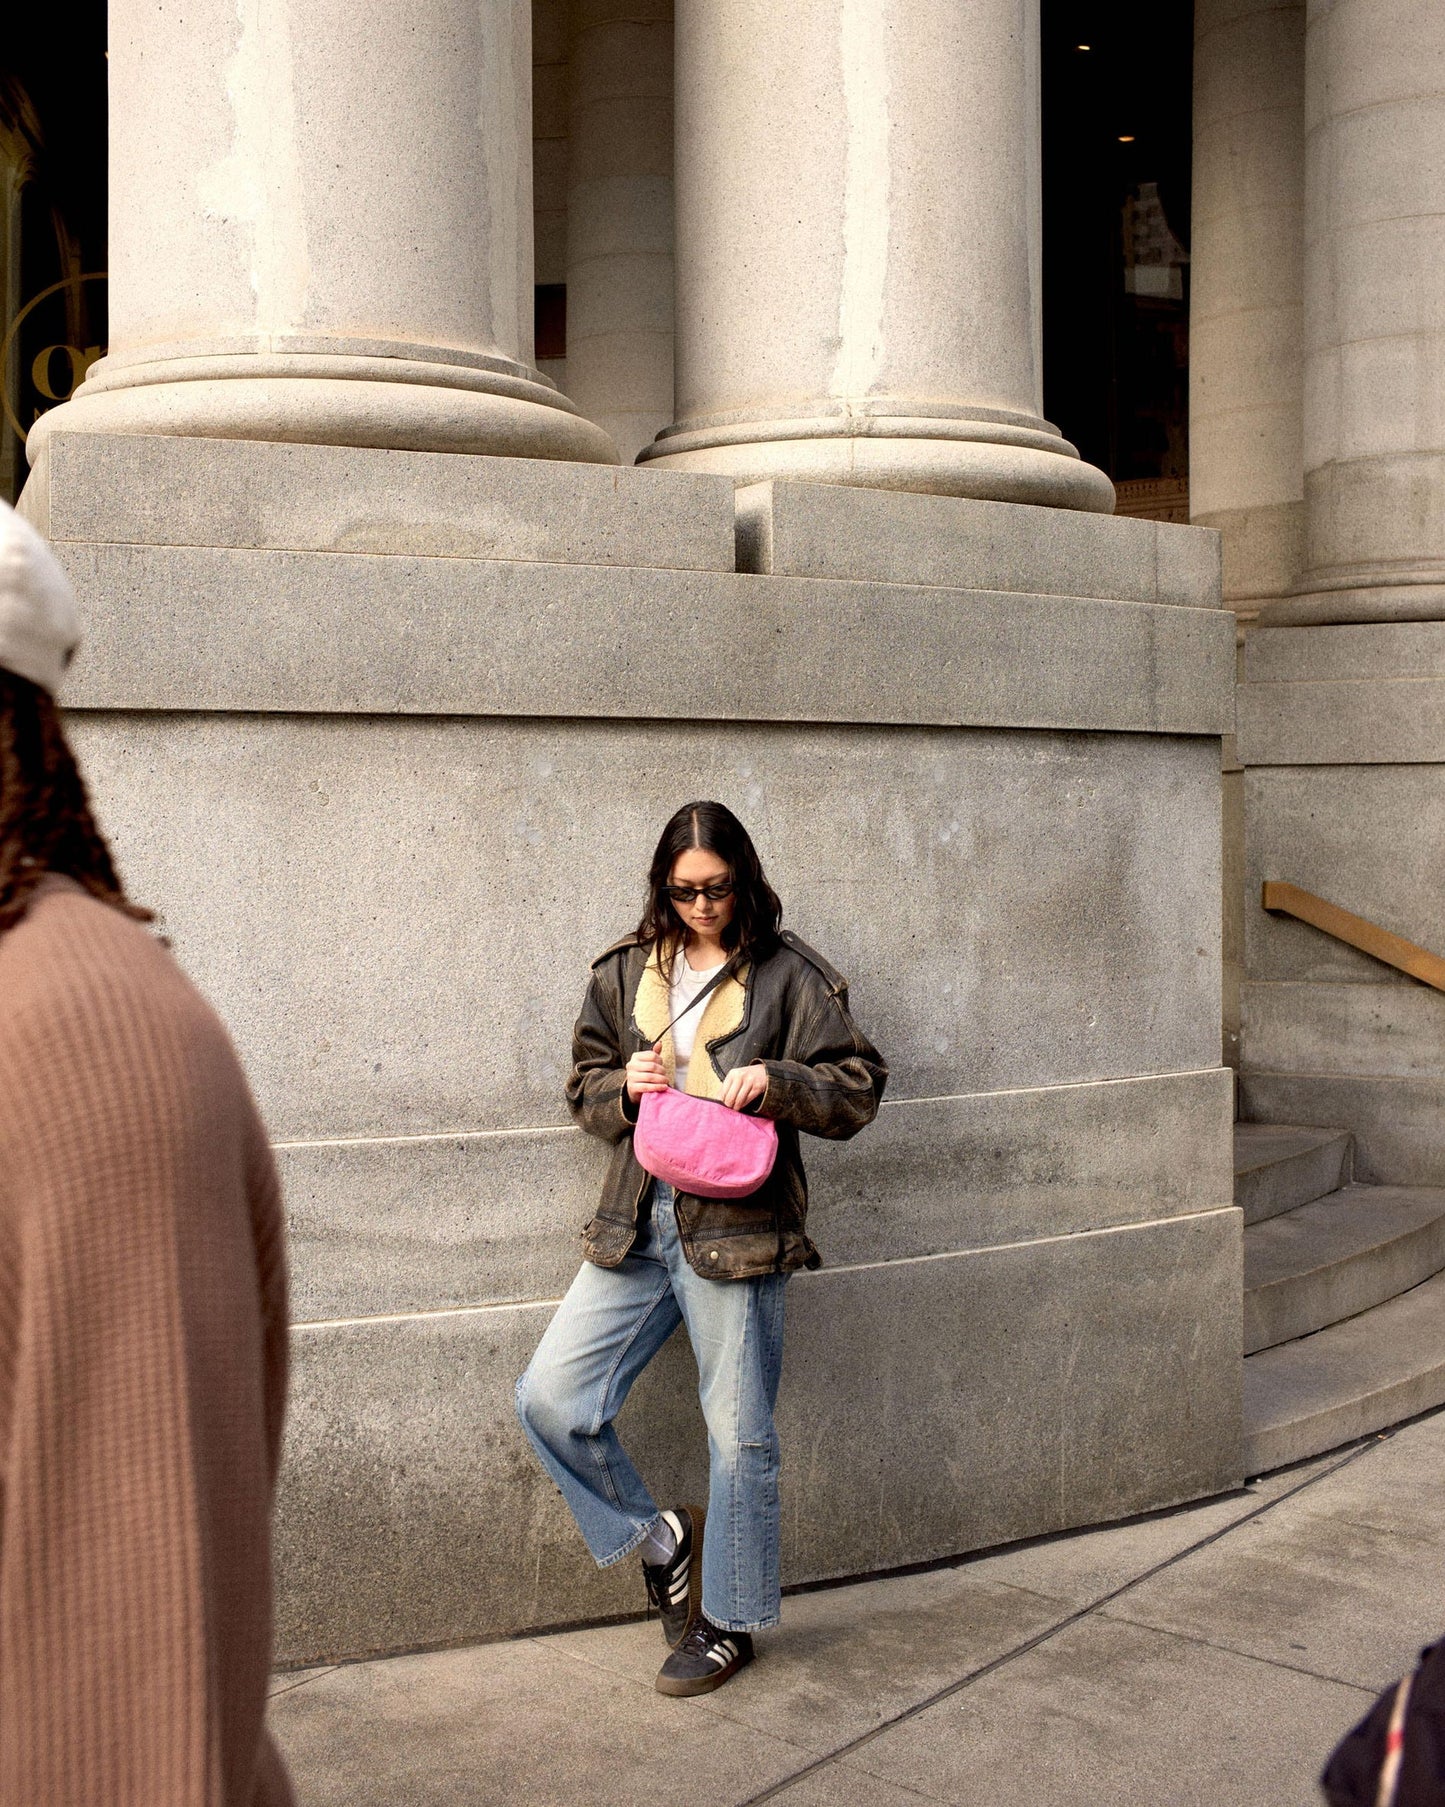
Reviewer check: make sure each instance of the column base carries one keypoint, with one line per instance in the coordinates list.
(1419, 597)
(400, 403)
(991, 461)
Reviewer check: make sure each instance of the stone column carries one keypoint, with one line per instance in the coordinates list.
(619, 218)
(1246, 317)
(321, 230)
(858, 249)
(1374, 434)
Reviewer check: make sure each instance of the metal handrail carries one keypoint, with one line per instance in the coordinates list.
(1368, 937)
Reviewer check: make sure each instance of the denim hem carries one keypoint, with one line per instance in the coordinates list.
(607, 1562)
(754, 1625)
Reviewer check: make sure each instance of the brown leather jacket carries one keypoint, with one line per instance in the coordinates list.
(789, 1011)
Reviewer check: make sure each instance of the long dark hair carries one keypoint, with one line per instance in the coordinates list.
(45, 819)
(753, 931)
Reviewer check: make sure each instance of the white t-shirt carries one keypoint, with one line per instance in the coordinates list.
(686, 984)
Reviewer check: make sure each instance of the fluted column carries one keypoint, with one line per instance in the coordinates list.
(619, 218)
(321, 229)
(1246, 317)
(858, 249)
(1374, 436)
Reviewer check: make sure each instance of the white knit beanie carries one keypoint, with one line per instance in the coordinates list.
(39, 622)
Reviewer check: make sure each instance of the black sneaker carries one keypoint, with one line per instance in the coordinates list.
(674, 1587)
(705, 1659)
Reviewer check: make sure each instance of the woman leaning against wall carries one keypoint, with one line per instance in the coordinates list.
(710, 999)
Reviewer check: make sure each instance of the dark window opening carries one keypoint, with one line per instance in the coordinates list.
(1117, 154)
(52, 215)
(550, 316)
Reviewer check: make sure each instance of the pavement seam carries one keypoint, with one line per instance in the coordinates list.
(1249, 1656)
(1052, 1631)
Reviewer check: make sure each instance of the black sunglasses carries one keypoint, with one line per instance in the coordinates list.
(686, 894)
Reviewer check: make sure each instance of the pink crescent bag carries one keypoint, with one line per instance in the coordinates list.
(698, 1145)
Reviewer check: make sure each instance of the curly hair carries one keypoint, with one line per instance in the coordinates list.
(45, 819)
(753, 931)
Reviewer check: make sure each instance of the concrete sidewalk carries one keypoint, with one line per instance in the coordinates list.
(1211, 1655)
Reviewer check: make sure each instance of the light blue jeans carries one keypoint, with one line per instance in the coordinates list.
(605, 1332)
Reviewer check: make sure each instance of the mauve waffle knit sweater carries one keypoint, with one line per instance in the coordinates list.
(142, 1378)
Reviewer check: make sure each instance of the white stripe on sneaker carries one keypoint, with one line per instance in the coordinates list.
(722, 1654)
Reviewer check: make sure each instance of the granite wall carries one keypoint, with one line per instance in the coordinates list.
(388, 737)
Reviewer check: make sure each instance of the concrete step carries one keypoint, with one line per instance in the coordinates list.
(1338, 1256)
(1279, 1166)
(1371, 1371)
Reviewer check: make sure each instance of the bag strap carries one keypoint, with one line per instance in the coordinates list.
(711, 985)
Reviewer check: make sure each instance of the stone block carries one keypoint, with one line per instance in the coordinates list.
(1371, 68)
(549, 172)
(629, 59)
(1375, 721)
(892, 536)
(624, 374)
(1113, 1358)
(589, 13)
(1344, 653)
(624, 139)
(1352, 694)
(549, 100)
(395, 915)
(549, 31)
(1365, 837)
(144, 490)
(549, 264)
(1188, 566)
(623, 292)
(426, 1223)
(629, 213)
(1250, 366)
(381, 1225)
(937, 1175)
(1396, 1029)
(190, 628)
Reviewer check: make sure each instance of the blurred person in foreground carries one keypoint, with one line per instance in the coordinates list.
(142, 1306)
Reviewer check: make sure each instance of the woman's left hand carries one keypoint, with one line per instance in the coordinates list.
(743, 1085)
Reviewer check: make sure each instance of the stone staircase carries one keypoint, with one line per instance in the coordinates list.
(1344, 1295)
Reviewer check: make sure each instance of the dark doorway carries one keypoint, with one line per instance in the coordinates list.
(52, 214)
(1117, 152)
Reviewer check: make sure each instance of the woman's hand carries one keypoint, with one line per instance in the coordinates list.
(744, 1085)
(645, 1073)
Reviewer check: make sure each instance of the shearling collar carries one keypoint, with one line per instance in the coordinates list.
(722, 1014)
